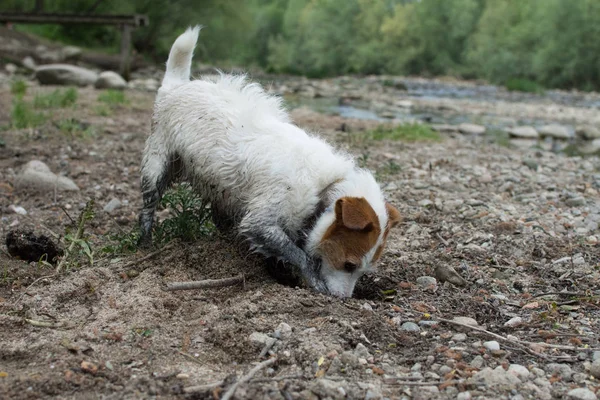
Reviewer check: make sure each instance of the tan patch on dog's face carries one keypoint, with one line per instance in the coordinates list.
(394, 219)
(353, 234)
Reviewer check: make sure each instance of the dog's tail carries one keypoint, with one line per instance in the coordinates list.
(179, 63)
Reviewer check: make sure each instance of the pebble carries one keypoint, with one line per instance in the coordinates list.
(519, 371)
(497, 378)
(555, 131)
(426, 281)
(471, 129)
(259, 338)
(410, 327)
(513, 322)
(17, 209)
(523, 132)
(477, 362)
(595, 369)
(112, 205)
(491, 345)
(459, 337)
(465, 321)
(425, 203)
(366, 308)
(36, 176)
(563, 370)
(463, 396)
(575, 201)
(361, 351)
(581, 394)
(596, 356)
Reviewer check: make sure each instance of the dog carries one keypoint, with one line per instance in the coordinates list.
(289, 194)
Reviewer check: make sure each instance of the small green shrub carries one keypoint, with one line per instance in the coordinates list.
(22, 116)
(102, 110)
(112, 97)
(18, 88)
(58, 98)
(523, 85)
(75, 129)
(406, 132)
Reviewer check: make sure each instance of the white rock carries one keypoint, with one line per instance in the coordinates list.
(410, 327)
(284, 328)
(36, 176)
(555, 131)
(361, 351)
(65, 74)
(112, 205)
(110, 80)
(29, 63)
(459, 337)
(259, 338)
(513, 322)
(17, 209)
(581, 394)
(588, 132)
(366, 308)
(595, 369)
(491, 345)
(463, 396)
(589, 147)
(496, 378)
(10, 68)
(70, 52)
(426, 281)
(523, 132)
(465, 320)
(519, 371)
(471, 129)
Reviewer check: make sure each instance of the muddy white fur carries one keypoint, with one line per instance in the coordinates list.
(288, 193)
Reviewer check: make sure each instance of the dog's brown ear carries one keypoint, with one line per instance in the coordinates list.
(394, 217)
(355, 213)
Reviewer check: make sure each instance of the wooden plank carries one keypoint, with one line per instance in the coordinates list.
(45, 18)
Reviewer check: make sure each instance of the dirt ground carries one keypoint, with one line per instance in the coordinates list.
(518, 225)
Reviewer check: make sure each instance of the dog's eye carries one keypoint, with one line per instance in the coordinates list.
(350, 266)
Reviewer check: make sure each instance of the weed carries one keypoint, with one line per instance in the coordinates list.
(501, 138)
(406, 132)
(389, 169)
(23, 116)
(112, 97)
(78, 243)
(393, 83)
(75, 129)
(18, 88)
(363, 159)
(123, 242)
(103, 110)
(59, 98)
(523, 85)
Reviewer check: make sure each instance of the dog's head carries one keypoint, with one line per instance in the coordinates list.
(352, 238)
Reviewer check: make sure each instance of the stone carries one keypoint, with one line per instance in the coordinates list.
(17, 209)
(410, 327)
(555, 131)
(70, 52)
(581, 394)
(523, 132)
(563, 370)
(444, 128)
(325, 388)
(595, 369)
(477, 362)
(496, 378)
(65, 74)
(471, 129)
(361, 351)
(36, 176)
(29, 63)
(492, 345)
(112, 205)
(349, 358)
(110, 80)
(519, 371)
(587, 132)
(149, 84)
(513, 322)
(459, 337)
(284, 329)
(596, 355)
(463, 396)
(576, 201)
(465, 321)
(10, 68)
(589, 147)
(259, 338)
(426, 281)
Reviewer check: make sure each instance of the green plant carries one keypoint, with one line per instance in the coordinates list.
(78, 243)
(123, 242)
(190, 216)
(523, 85)
(363, 159)
(75, 129)
(102, 110)
(406, 132)
(22, 116)
(59, 98)
(390, 168)
(112, 97)
(18, 88)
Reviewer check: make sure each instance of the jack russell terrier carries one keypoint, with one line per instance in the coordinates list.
(289, 194)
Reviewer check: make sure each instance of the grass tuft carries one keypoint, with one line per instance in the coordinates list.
(406, 132)
(22, 116)
(74, 129)
(18, 88)
(59, 98)
(523, 85)
(112, 97)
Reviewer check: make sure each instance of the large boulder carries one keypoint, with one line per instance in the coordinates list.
(588, 132)
(523, 132)
(110, 80)
(471, 129)
(555, 131)
(65, 74)
(36, 176)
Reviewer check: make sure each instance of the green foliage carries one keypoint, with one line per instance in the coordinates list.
(74, 129)
(123, 242)
(59, 98)
(523, 85)
(22, 116)
(18, 87)
(112, 97)
(79, 245)
(190, 216)
(406, 133)
(386, 171)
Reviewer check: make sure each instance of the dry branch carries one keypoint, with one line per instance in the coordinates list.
(205, 284)
(231, 391)
(148, 256)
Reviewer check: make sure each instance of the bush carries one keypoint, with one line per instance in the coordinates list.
(59, 98)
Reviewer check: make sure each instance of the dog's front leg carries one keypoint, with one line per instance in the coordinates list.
(271, 240)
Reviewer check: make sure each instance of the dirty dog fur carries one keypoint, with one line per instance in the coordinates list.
(289, 194)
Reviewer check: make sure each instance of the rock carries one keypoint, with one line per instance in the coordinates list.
(463, 396)
(577, 201)
(404, 103)
(410, 327)
(555, 131)
(513, 322)
(325, 388)
(587, 132)
(284, 329)
(110, 80)
(366, 308)
(589, 147)
(259, 338)
(581, 394)
(596, 355)
(10, 68)
(519, 371)
(523, 132)
(349, 359)
(426, 281)
(595, 369)
(149, 84)
(477, 362)
(445, 273)
(425, 203)
(29, 63)
(70, 52)
(459, 337)
(465, 321)
(17, 209)
(65, 74)
(112, 205)
(36, 176)
(496, 378)
(444, 128)
(471, 129)
(563, 370)
(361, 351)
(492, 345)
(30, 247)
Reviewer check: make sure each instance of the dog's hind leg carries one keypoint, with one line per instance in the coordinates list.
(159, 169)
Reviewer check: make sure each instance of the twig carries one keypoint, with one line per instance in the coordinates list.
(518, 342)
(29, 287)
(202, 388)
(444, 241)
(44, 324)
(231, 391)
(578, 294)
(278, 378)
(208, 283)
(410, 383)
(148, 256)
(190, 357)
(270, 343)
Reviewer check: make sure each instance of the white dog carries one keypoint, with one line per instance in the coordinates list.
(289, 194)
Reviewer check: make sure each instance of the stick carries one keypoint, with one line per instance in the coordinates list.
(410, 383)
(270, 343)
(577, 294)
(148, 256)
(518, 341)
(278, 378)
(190, 357)
(202, 388)
(43, 324)
(231, 391)
(29, 287)
(208, 283)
